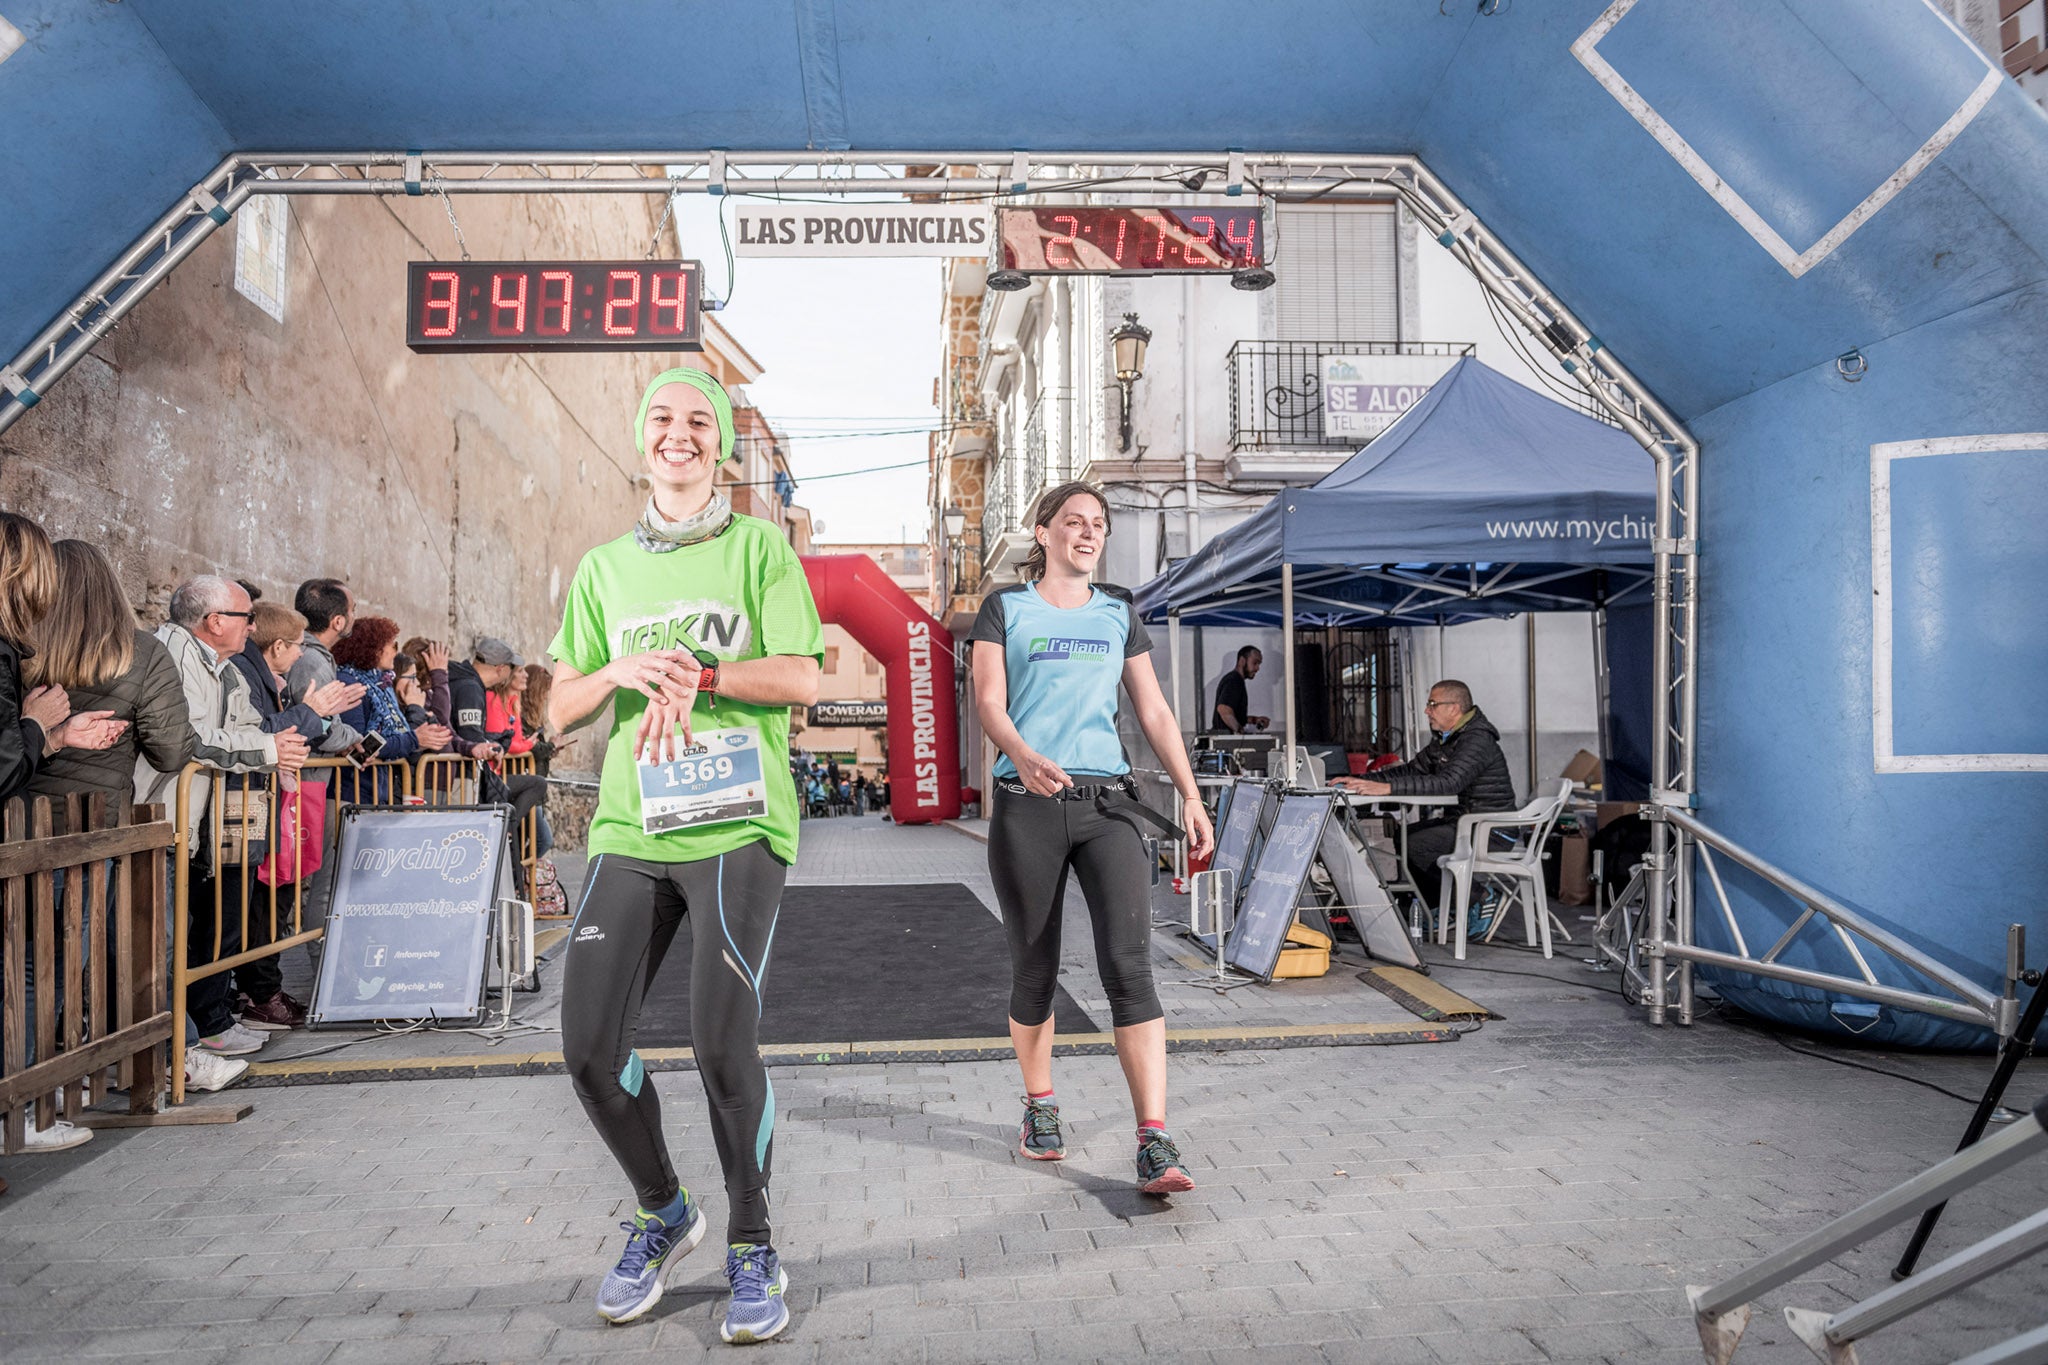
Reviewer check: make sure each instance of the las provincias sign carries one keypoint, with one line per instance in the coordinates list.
(861, 230)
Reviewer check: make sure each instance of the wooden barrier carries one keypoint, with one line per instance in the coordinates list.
(97, 949)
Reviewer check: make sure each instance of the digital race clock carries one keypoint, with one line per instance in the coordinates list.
(467, 306)
(1126, 239)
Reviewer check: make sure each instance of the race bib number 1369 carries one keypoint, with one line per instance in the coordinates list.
(717, 780)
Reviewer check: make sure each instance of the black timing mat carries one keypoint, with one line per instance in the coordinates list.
(868, 964)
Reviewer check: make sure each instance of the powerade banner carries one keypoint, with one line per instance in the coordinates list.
(850, 713)
(408, 934)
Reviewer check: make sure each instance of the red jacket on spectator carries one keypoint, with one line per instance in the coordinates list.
(498, 719)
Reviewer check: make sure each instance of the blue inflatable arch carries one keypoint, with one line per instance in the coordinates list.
(1814, 235)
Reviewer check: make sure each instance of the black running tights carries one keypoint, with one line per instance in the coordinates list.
(630, 913)
(1032, 841)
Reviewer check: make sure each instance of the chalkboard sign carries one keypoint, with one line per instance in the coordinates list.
(1273, 889)
(1238, 822)
(1237, 826)
(408, 934)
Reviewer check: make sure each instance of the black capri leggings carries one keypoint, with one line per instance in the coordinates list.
(630, 915)
(1032, 841)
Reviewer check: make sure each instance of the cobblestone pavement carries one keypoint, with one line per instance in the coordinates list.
(1538, 1190)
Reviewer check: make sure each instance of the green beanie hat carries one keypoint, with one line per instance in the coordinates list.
(702, 383)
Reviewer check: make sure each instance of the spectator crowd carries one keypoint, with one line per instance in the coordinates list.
(90, 702)
(825, 789)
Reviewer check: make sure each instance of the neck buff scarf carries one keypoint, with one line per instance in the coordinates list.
(654, 532)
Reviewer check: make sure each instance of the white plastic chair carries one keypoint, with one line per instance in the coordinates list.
(1520, 867)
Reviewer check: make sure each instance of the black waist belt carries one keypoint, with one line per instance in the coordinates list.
(1118, 800)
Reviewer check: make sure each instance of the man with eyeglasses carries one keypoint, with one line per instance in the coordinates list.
(1463, 759)
(209, 625)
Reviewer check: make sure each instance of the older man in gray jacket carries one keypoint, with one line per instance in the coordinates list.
(209, 625)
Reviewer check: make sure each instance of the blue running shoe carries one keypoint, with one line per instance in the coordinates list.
(634, 1285)
(758, 1279)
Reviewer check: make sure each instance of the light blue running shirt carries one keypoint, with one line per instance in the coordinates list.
(1063, 665)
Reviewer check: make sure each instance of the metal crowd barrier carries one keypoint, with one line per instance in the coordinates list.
(453, 780)
(242, 831)
(97, 950)
(240, 836)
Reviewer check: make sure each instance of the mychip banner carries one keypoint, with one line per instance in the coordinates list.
(408, 934)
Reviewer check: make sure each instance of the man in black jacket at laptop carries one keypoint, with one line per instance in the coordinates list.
(1462, 760)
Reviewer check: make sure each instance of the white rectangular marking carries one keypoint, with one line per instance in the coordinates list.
(1881, 457)
(1796, 263)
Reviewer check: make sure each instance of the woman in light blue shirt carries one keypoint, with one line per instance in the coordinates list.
(1048, 656)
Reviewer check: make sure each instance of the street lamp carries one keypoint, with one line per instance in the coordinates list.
(1127, 346)
(955, 521)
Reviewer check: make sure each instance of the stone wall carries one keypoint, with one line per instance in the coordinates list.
(455, 494)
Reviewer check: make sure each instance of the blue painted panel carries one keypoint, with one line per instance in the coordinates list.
(102, 136)
(1199, 76)
(1969, 579)
(512, 74)
(1757, 88)
(1663, 274)
(1785, 758)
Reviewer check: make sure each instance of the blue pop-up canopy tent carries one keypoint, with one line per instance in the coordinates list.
(1484, 499)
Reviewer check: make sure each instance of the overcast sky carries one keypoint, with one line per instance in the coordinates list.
(844, 345)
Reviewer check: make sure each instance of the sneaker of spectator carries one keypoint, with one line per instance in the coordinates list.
(58, 1137)
(266, 1016)
(232, 1041)
(205, 1071)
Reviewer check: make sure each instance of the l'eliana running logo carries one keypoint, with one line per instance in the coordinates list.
(1062, 647)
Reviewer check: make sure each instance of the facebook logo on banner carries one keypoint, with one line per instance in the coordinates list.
(1061, 647)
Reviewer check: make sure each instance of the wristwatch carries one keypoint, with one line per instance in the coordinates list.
(707, 680)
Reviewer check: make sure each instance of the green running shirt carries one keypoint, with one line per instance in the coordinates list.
(740, 595)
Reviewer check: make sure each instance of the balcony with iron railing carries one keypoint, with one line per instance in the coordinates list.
(1034, 453)
(1276, 389)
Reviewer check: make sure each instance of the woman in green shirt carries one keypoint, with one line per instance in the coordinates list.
(699, 627)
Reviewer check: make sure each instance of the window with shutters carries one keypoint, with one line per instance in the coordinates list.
(1338, 277)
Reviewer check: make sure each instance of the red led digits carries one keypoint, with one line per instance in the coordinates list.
(508, 312)
(676, 302)
(443, 286)
(1208, 226)
(503, 306)
(553, 282)
(1123, 226)
(1157, 222)
(1063, 242)
(1247, 246)
(622, 309)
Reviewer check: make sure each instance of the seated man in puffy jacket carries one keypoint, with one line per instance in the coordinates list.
(1462, 760)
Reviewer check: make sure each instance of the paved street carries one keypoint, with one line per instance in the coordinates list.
(1538, 1190)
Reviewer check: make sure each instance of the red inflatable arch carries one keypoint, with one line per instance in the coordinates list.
(917, 651)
